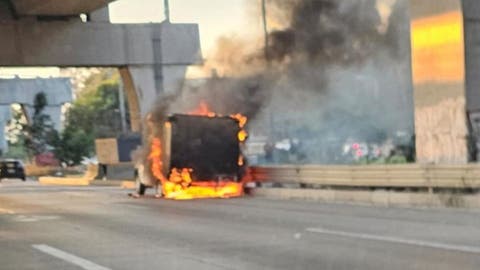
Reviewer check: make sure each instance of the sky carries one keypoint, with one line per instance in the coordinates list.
(215, 17)
(30, 72)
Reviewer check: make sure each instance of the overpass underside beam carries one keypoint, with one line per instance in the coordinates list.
(94, 44)
(54, 8)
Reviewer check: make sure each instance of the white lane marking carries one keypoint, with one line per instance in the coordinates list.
(397, 240)
(85, 264)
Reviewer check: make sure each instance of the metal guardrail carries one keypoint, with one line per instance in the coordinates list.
(411, 175)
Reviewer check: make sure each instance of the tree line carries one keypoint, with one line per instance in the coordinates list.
(93, 114)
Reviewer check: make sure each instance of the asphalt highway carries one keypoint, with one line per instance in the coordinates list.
(101, 228)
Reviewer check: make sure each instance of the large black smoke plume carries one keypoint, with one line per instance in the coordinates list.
(334, 71)
(326, 31)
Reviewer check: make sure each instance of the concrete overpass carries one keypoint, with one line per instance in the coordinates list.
(54, 7)
(152, 58)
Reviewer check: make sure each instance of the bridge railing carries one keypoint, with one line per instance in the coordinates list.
(395, 176)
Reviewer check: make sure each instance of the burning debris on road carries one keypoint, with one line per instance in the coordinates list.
(199, 155)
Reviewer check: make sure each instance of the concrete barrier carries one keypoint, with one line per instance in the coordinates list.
(436, 185)
(84, 180)
(379, 176)
(36, 171)
(379, 198)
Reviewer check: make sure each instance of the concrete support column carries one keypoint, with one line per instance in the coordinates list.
(173, 78)
(471, 13)
(438, 72)
(5, 116)
(140, 90)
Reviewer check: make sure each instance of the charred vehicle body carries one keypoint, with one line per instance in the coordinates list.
(198, 157)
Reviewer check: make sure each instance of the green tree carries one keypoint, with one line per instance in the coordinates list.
(15, 134)
(39, 133)
(94, 114)
(72, 145)
(97, 111)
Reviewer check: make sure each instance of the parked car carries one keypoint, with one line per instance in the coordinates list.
(12, 169)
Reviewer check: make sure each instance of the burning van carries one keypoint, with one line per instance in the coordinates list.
(199, 156)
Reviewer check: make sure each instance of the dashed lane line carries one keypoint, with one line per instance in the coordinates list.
(397, 240)
(60, 254)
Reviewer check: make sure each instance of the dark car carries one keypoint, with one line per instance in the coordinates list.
(12, 169)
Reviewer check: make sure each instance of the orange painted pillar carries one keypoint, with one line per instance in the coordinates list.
(438, 73)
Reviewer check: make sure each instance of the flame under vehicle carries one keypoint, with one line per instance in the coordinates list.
(199, 156)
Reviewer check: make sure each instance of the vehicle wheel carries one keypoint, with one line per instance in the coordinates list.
(142, 189)
(24, 179)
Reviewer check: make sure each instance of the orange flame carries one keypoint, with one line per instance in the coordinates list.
(180, 186)
(156, 158)
(242, 120)
(203, 110)
(240, 160)
(242, 135)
